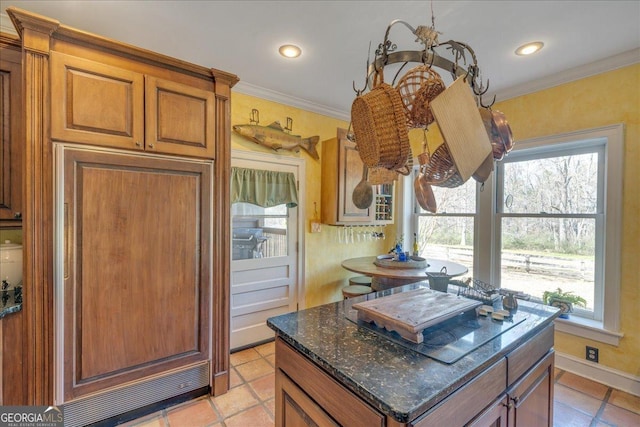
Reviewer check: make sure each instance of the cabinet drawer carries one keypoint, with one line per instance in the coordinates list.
(342, 405)
(94, 103)
(523, 358)
(466, 403)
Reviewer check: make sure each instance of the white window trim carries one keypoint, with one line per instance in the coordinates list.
(607, 330)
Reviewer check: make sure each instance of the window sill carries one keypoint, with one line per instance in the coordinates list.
(587, 328)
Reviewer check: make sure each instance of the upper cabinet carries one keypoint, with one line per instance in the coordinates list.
(342, 170)
(101, 104)
(10, 132)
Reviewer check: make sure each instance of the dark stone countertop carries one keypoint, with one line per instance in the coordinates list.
(398, 381)
(8, 303)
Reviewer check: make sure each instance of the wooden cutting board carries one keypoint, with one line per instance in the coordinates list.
(462, 128)
(409, 313)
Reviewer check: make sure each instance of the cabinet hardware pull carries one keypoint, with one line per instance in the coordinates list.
(17, 215)
(150, 145)
(138, 144)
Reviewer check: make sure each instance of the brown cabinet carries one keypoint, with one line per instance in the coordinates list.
(342, 170)
(96, 103)
(531, 398)
(127, 270)
(11, 132)
(306, 395)
(135, 291)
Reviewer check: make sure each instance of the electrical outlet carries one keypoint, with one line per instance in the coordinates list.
(592, 354)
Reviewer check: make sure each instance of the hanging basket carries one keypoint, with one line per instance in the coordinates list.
(380, 128)
(440, 170)
(417, 88)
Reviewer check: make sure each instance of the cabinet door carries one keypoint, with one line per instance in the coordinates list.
(296, 409)
(532, 396)
(350, 169)
(180, 119)
(494, 416)
(94, 103)
(11, 136)
(134, 290)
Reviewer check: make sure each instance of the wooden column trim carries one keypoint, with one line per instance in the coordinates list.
(35, 32)
(221, 253)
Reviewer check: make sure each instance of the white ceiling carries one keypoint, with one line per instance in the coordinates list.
(242, 37)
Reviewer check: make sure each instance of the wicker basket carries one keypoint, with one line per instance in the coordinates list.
(440, 170)
(417, 88)
(380, 128)
(380, 175)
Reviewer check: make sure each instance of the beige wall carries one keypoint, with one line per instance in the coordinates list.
(324, 276)
(606, 99)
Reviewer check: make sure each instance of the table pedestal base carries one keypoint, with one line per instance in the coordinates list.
(382, 283)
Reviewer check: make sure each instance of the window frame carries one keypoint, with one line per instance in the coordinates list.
(486, 262)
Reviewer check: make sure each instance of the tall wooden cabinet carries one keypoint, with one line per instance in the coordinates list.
(126, 223)
(10, 131)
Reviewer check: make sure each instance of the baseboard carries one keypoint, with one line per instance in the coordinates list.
(612, 377)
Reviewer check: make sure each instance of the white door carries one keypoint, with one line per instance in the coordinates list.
(265, 265)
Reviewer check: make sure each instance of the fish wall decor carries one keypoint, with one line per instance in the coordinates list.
(275, 137)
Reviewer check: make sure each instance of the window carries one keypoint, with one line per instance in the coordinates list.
(548, 217)
(449, 233)
(259, 232)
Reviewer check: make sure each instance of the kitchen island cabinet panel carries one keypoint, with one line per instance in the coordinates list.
(333, 360)
(136, 288)
(336, 401)
(465, 404)
(531, 398)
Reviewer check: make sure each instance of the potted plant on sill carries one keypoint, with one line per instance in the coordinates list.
(563, 300)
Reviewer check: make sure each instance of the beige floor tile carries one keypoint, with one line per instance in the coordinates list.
(151, 420)
(255, 369)
(197, 414)
(243, 356)
(625, 400)
(266, 349)
(271, 407)
(254, 417)
(620, 417)
(264, 387)
(584, 385)
(234, 378)
(564, 416)
(576, 400)
(271, 359)
(234, 401)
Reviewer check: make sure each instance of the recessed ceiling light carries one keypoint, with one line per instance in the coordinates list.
(290, 51)
(529, 48)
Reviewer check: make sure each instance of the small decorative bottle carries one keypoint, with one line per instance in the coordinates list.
(416, 249)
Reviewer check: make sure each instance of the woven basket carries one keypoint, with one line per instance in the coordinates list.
(417, 88)
(380, 128)
(440, 170)
(379, 175)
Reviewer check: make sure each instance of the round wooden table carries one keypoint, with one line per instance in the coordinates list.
(384, 278)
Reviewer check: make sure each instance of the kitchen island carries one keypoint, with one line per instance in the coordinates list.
(332, 369)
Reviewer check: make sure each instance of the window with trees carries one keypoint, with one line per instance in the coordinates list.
(548, 217)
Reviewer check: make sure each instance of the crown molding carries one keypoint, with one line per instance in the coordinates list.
(272, 95)
(610, 63)
(6, 26)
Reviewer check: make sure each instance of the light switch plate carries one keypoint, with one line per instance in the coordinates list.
(316, 227)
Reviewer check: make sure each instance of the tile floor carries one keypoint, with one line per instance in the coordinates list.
(250, 401)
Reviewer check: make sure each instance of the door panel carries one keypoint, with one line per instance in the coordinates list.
(134, 292)
(264, 266)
